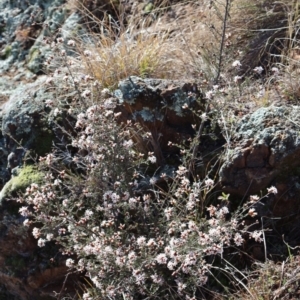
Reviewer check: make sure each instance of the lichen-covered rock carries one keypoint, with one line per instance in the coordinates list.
(157, 105)
(23, 115)
(25, 126)
(266, 145)
(167, 109)
(22, 31)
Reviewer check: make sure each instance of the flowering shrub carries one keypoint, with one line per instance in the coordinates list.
(171, 239)
(156, 243)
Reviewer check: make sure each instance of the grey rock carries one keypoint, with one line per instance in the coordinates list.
(267, 144)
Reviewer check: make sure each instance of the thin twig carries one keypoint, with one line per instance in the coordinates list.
(222, 41)
(196, 148)
(65, 281)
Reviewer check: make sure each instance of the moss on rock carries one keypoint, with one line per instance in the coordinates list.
(26, 176)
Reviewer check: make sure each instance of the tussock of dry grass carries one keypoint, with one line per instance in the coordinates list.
(271, 281)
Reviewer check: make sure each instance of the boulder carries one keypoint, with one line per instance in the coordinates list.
(158, 106)
(266, 144)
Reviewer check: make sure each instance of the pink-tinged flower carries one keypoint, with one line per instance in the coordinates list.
(238, 240)
(151, 243)
(141, 241)
(212, 210)
(252, 213)
(209, 182)
(258, 69)
(272, 190)
(256, 235)
(209, 95)
(180, 286)
(71, 43)
(86, 93)
(24, 211)
(254, 198)
(87, 296)
(157, 279)
(70, 263)
(161, 259)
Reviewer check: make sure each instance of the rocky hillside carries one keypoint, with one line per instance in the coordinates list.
(186, 111)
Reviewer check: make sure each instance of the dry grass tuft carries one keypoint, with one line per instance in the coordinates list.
(267, 31)
(131, 54)
(271, 281)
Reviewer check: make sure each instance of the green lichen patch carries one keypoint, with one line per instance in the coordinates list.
(5, 53)
(34, 60)
(27, 175)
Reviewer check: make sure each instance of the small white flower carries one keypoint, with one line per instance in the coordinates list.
(258, 69)
(238, 239)
(71, 43)
(210, 94)
(49, 103)
(236, 64)
(254, 198)
(87, 296)
(87, 53)
(88, 213)
(275, 71)
(36, 232)
(141, 241)
(49, 236)
(105, 92)
(56, 112)
(70, 263)
(161, 259)
(153, 180)
(26, 222)
(237, 79)
(204, 116)
(24, 211)
(272, 190)
(157, 279)
(252, 213)
(86, 93)
(128, 144)
(209, 183)
(256, 235)
(41, 242)
(152, 159)
(65, 202)
(168, 212)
